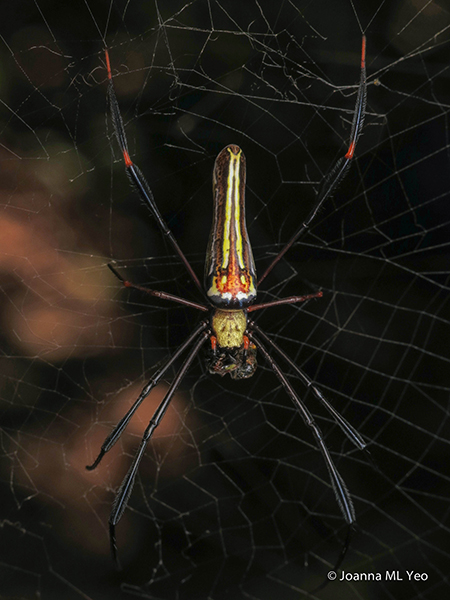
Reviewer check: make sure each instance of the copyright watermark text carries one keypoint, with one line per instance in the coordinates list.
(385, 576)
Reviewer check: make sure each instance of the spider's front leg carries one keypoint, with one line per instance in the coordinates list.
(138, 180)
(339, 169)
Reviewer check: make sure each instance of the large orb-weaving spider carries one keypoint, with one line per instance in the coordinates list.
(230, 287)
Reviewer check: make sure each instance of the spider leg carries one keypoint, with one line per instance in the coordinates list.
(115, 434)
(288, 300)
(126, 487)
(341, 492)
(157, 293)
(337, 172)
(348, 429)
(137, 178)
(345, 547)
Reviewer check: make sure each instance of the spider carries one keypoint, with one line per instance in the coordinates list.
(230, 287)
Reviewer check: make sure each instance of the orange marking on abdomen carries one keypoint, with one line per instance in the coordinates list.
(233, 284)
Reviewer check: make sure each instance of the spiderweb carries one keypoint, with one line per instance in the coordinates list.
(233, 499)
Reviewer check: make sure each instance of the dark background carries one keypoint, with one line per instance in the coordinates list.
(233, 498)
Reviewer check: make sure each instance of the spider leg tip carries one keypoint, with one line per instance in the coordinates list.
(96, 462)
(113, 546)
(116, 273)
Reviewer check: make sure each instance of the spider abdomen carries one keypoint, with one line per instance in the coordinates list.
(230, 275)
